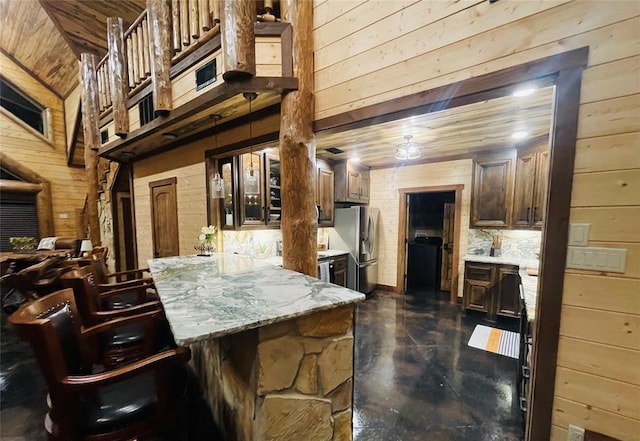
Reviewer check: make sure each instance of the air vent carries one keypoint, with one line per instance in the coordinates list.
(104, 136)
(145, 108)
(335, 150)
(206, 75)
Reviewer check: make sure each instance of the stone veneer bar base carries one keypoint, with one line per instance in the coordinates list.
(290, 381)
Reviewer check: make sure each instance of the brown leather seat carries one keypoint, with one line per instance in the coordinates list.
(69, 243)
(136, 400)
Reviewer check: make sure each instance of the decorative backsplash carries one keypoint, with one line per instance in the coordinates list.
(522, 244)
(256, 243)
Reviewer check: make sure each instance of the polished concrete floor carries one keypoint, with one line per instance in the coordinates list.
(416, 378)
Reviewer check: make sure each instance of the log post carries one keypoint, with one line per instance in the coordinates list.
(205, 16)
(238, 39)
(91, 140)
(184, 23)
(119, 80)
(194, 19)
(175, 25)
(298, 150)
(159, 14)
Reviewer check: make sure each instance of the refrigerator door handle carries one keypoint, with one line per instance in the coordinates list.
(371, 236)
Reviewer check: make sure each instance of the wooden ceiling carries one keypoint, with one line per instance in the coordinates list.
(47, 36)
(454, 132)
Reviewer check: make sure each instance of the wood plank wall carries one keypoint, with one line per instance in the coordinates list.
(68, 188)
(71, 107)
(384, 193)
(367, 52)
(187, 164)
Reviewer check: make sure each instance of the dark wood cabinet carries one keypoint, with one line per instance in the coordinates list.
(324, 194)
(492, 289)
(530, 188)
(340, 270)
(492, 193)
(351, 183)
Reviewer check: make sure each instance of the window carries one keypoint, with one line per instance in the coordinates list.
(22, 107)
(145, 109)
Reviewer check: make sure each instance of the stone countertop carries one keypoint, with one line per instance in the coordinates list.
(503, 260)
(208, 297)
(277, 260)
(530, 292)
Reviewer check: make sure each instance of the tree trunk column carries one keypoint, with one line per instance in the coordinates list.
(91, 132)
(161, 51)
(118, 78)
(238, 39)
(298, 150)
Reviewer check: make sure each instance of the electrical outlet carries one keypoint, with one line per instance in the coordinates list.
(576, 433)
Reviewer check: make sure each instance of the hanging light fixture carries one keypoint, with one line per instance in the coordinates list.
(251, 175)
(408, 149)
(217, 183)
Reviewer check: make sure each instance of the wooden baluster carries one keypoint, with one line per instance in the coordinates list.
(100, 90)
(214, 6)
(159, 15)
(283, 10)
(184, 22)
(268, 12)
(141, 75)
(130, 76)
(119, 76)
(107, 82)
(90, 116)
(134, 60)
(194, 19)
(238, 39)
(205, 16)
(175, 12)
(297, 149)
(145, 47)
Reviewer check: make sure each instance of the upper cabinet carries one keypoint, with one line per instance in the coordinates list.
(510, 188)
(351, 183)
(324, 194)
(492, 192)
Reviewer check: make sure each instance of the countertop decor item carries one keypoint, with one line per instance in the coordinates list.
(206, 241)
(23, 244)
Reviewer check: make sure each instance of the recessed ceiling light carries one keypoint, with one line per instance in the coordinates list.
(524, 92)
(520, 134)
(355, 159)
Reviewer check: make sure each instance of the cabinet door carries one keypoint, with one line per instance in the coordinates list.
(478, 286)
(325, 196)
(508, 292)
(492, 196)
(226, 168)
(353, 184)
(523, 191)
(274, 203)
(540, 190)
(252, 210)
(364, 186)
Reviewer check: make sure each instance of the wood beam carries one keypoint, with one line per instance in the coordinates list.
(238, 39)
(159, 12)
(118, 79)
(297, 150)
(90, 117)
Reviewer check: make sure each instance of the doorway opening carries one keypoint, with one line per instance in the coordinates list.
(123, 224)
(430, 217)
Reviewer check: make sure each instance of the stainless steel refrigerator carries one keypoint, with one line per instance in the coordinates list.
(355, 230)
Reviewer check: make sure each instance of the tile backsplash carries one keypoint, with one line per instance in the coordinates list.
(522, 244)
(256, 243)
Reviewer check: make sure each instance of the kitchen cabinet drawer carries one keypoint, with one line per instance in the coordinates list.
(479, 272)
(492, 289)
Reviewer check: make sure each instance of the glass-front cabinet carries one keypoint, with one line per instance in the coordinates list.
(251, 190)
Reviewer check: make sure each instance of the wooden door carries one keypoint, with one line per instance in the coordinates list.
(164, 218)
(325, 196)
(540, 190)
(446, 266)
(491, 193)
(523, 191)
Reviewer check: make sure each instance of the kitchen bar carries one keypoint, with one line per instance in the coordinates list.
(273, 348)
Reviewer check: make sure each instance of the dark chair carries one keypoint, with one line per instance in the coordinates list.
(69, 244)
(134, 401)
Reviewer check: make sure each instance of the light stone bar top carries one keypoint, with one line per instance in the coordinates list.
(530, 292)
(208, 297)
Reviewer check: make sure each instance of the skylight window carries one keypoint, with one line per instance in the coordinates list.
(17, 103)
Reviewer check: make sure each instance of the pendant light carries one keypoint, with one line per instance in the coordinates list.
(217, 183)
(251, 175)
(408, 149)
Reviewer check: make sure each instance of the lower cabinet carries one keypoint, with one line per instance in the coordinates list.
(492, 289)
(340, 270)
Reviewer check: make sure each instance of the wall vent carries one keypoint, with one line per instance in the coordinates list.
(335, 150)
(206, 75)
(145, 108)
(104, 136)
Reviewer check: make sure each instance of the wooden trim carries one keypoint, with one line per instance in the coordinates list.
(393, 289)
(76, 131)
(595, 436)
(456, 94)
(237, 147)
(161, 182)
(402, 233)
(18, 186)
(554, 252)
(28, 128)
(34, 76)
(133, 216)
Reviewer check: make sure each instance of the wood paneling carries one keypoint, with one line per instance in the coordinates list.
(617, 152)
(68, 188)
(609, 224)
(602, 293)
(602, 189)
(610, 328)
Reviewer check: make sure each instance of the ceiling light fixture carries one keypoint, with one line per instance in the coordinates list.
(217, 183)
(251, 183)
(520, 134)
(355, 159)
(524, 92)
(408, 149)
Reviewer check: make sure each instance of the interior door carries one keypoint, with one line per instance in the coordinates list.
(446, 266)
(164, 216)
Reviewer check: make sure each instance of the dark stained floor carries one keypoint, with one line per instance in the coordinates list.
(416, 378)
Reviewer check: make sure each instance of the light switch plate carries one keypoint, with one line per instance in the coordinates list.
(575, 433)
(579, 234)
(597, 259)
